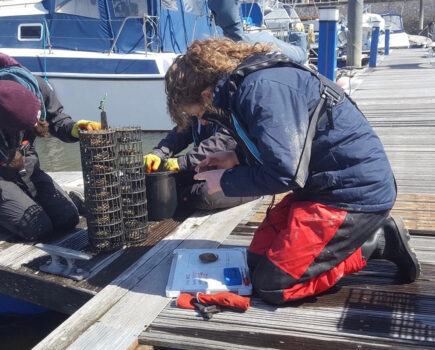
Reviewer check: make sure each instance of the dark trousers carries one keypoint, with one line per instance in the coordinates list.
(34, 217)
(304, 248)
(194, 193)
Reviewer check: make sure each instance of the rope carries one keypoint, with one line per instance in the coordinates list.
(45, 27)
(268, 211)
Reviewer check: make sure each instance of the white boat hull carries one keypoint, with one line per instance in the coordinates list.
(134, 84)
(134, 102)
(398, 40)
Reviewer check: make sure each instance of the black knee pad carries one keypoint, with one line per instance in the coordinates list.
(270, 282)
(34, 224)
(253, 260)
(68, 220)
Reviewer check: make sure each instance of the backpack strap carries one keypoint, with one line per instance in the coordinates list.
(23, 76)
(331, 95)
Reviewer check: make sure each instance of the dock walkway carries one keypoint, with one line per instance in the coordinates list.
(367, 310)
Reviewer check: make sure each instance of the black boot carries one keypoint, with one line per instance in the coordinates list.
(79, 201)
(370, 248)
(391, 242)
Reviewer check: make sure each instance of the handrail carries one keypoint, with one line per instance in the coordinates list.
(146, 19)
(154, 25)
(120, 30)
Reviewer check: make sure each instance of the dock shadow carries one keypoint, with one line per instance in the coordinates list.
(410, 66)
(391, 315)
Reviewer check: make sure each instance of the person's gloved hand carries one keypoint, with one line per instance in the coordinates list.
(225, 299)
(186, 301)
(17, 162)
(311, 35)
(299, 27)
(84, 125)
(171, 164)
(151, 162)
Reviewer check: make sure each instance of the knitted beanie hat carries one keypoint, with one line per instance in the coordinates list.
(19, 107)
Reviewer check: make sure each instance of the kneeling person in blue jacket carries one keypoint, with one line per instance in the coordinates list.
(300, 133)
(32, 205)
(206, 139)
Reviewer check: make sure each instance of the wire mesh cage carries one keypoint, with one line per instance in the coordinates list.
(133, 188)
(135, 210)
(106, 244)
(105, 206)
(137, 234)
(100, 138)
(103, 201)
(102, 180)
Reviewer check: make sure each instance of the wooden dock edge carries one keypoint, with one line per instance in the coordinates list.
(115, 317)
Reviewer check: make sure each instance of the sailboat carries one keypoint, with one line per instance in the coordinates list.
(89, 49)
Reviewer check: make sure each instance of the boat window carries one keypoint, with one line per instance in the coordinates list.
(170, 5)
(125, 8)
(395, 22)
(30, 32)
(85, 8)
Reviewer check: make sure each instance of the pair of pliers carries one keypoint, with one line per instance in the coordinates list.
(207, 311)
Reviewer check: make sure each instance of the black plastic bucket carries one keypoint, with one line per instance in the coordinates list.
(161, 188)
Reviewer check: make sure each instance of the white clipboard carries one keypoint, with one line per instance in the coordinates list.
(189, 274)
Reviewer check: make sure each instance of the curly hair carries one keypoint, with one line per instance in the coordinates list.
(203, 64)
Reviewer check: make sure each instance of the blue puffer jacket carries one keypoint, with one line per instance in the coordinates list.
(348, 168)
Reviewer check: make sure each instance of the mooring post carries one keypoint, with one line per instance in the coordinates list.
(327, 63)
(354, 41)
(374, 44)
(387, 41)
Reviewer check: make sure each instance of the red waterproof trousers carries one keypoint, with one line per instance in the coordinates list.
(304, 248)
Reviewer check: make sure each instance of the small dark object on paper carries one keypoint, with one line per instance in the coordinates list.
(208, 257)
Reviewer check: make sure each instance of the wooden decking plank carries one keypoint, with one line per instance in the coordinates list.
(139, 290)
(14, 252)
(20, 257)
(145, 300)
(86, 316)
(372, 296)
(102, 268)
(369, 309)
(356, 310)
(362, 318)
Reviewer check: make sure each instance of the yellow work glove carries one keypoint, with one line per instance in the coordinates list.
(171, 164)
(311, 36)
(151, 162)
(299, 27)
(84, 125)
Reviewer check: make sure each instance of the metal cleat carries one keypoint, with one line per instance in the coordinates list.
(58, 267)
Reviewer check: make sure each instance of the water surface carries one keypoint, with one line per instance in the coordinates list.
(56, 155)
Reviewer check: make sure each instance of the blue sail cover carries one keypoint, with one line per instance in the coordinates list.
(78, 25)
(94, 25)
(179, 28)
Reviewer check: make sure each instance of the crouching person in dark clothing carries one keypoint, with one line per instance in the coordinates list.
(32, 205)
(301, 134)
(206, 139)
